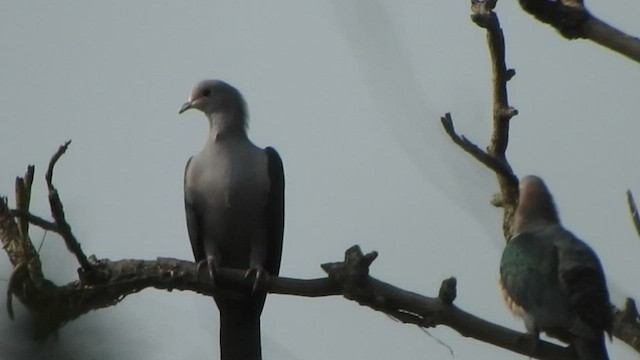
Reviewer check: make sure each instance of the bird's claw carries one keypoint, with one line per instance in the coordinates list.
(530, 341)
(212, 267)
(260, 276)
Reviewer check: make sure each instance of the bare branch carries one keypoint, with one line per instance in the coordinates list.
(499, 167)
(57, 212)
(35, 220)
(14, 234)
(574, 21)
(633, 209)
(484, 16)
(627, 324)
(109, 282)
(52, 163)
(106, 283)
(495, 157)
(12, 284)
(23, 198)
(58, 305)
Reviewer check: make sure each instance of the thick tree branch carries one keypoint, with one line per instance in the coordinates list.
(574, 21)
(109, 282)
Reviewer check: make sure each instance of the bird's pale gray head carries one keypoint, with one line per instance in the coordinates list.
(535, 204)
(215, 96)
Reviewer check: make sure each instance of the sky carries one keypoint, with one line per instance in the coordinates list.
(350, 93)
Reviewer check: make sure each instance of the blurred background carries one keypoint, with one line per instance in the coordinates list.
(350, 93)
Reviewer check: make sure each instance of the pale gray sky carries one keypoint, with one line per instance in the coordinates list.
(350, 93)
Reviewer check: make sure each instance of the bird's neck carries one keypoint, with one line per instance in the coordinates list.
(532, 216)
(535, 208)
(225, 125)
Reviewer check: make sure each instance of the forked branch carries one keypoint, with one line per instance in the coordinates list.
(495, 158)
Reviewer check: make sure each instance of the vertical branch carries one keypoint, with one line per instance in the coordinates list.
(27, 273)
(633, 209)
(15, 236)
(23, 198)
(484, 16)
(57, 211)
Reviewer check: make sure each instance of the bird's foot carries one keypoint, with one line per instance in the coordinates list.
(260, 274)
(211, 265)
(530, 341)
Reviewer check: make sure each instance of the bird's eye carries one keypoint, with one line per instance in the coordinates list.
(206, 92)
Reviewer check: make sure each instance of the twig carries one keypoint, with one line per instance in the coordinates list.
(44, 236)
(571, 19)
(453, 356)
(633, 209)
(35, 220)
(499, 167)
(52, 163)
(57, 212)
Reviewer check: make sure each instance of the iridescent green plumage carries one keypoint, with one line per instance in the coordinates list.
(553, 279)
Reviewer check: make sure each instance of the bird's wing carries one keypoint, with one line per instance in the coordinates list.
(581, 274)
(192, 219)
(527, 267)
(275, 211)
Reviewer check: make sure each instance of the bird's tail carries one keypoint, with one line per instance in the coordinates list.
(591, 350)
(240, 331)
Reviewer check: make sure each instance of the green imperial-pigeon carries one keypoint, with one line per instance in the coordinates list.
(234, 201)
(552, 279)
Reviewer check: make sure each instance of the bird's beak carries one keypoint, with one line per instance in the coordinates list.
(188, 105)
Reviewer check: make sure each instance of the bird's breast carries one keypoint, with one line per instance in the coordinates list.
(230, 179)
(516, 309)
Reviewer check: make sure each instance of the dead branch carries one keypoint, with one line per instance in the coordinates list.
(573, 21)
(495, 157)
(109, 282)
(633, 210)
(627, 324)
(57, 212)
(500, 167)
(484, 16)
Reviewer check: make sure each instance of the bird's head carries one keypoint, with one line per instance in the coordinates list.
(215, 96)
(535, 203)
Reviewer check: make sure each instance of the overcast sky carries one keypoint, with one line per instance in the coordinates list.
(350, 93)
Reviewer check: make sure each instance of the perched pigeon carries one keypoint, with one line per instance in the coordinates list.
(552, 279)
(234, 200)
